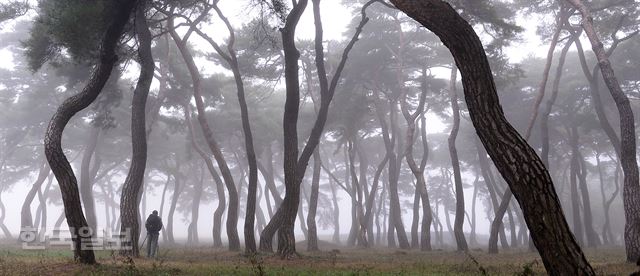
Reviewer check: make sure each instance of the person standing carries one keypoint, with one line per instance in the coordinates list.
(153, 225)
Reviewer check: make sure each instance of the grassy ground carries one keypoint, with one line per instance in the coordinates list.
(207, 261)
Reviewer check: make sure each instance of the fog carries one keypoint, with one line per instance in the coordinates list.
(374, 136)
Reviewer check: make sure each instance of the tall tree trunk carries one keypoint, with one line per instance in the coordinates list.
(461, 241)
(515, 159)
(631, 190)
(130, 198)
(312, 241)
(232, 215)
(60, 166)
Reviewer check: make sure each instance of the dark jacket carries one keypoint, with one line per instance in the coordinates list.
(153, 224)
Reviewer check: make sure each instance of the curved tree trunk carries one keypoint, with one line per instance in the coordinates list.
(129, 200)
(461, 241)
(631, 190)
(60, 166)
(232, 215)
(515, 159)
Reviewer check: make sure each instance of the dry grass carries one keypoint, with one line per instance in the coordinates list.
(207, 261)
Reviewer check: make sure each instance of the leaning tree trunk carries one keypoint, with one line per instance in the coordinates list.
(523, 170)
(129, 211)
(53, 139)
(461, 242)
(631, 188)
(232, 215)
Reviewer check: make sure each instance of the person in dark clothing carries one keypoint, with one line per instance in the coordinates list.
(153, 225)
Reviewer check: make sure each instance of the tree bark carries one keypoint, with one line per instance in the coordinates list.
(515, 159)
(53, 139)
(129, 200)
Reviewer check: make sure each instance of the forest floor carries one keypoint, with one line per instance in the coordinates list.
(183, 260)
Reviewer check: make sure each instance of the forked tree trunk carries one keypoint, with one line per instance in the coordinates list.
(294, 165)
(129, 199)
(232, 215)
(26, 220)
(231, 58)
(59, 163)
(515, 159)
(418, 171)
(631, 188)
